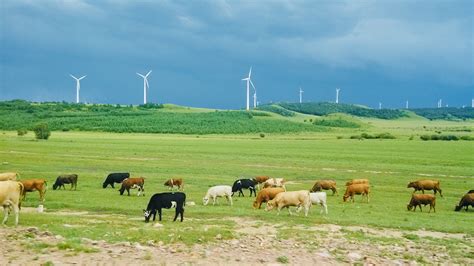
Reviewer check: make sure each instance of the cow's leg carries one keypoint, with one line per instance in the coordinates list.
(17, 213)
(367, 197)
(182, 213)
(112, 185)
(421, 210)
(241, 192)
(128, 191)
(176, 212)
(5, 214)
(325, 208)
(289, 210)
(154, 214)
(440, 193)
(159, 213)
(214, 199)
(230, 200)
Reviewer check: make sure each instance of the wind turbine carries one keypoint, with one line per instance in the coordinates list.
(472, 103)
(249, 82)
(337, 95)
(145, 84)
(380, 106)
(78, 86)
(301, 95)
(440, 103)
(406, 105)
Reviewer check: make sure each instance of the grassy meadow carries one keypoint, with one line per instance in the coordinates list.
(207, 160)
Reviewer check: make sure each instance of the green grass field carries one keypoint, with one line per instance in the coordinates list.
(204, 161)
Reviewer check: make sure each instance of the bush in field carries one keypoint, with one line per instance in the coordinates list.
(277, 110)
(377, 136)
(42, 131)
(385, 135)
(262, 135)
(445, 137)
(338, 122)
(22, 132)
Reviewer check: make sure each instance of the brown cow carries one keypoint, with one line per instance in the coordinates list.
(357, 181)
(265, 195)
(131, 183)
(357, 189)
(260, 179)
(8, 176)
(175, 182)
(326, 185)
(422, 199)
(425, 185)
(466, 201)
(34, 184)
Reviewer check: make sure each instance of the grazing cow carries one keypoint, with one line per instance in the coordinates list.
(259, 180)
(356, 189)
(131, 183)
(244, 183)
(326, 185)
(357, 181)
(422, 199)
(8, 176)
(34, 184)
(114, 178)
(275, 182)
(319, 198)
(425, 185)
(66, 179)
(290, 198)
(165, 200)
(10, 198)
(218, 191)
(466, 201)
(175, 182)
(470, 191)
(265, 195)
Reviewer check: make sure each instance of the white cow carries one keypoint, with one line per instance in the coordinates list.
(218, 191)
(319, 198)
(10, 198)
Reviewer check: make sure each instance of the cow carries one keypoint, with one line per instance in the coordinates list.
(265, 195)
(218, 191)
(131, 183)
(8, 176)
(114, 178)
(34, 184)
(165, 200)
(357, 181)
(259, 180)
(425, 185)
(10, 198)
(422, 199)
(326, 185)
(175, 182)
(466, 201)
(244, 183)
(319, 198)
(290, 198)
(356, 189)
(275, 182)
(66, 179)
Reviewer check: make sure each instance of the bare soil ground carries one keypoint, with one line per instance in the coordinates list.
(257, 243)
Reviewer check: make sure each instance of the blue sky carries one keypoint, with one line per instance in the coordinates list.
(375, 51)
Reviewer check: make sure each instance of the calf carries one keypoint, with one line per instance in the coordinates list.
(66, 179)
(356, 189)
(326, 185)
(34, 184)
(357, 181)
(131, 183)
(218, 191)
(175, 182)
(291, 198)
(244, 183)
(319, 198)
(10, 198)
(265, 195)
(466, 201)
(422, 199)
(275, 182)
(8, 176)
(114, 178)
(425, 185)
(165, 200)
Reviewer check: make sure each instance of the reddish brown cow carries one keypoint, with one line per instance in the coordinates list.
(422, 199)
(425, 185)
(133, 182)
(357, 181)
(260, 179)
(175, 182)
(326, 185)
(357, 189)
(265, 195)
(34, 184)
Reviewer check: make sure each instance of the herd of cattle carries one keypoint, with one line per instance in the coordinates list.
(273, 193)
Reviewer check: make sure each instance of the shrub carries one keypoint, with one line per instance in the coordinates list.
(425, 137)
(339, 122)
(262, 135)
(22, 132)
(467, 138)
(42, 131)
(385, 135)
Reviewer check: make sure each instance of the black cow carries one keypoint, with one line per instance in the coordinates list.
(244, 183)
(115, 178)
(165, 200)
(66, 179)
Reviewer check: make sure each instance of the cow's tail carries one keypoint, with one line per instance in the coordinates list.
(22, 194)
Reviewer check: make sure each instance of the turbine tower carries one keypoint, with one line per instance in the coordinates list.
(145, 84)
(380, 106)
(440, 103)
(337, 95)
(301, 95)
(78, 86)
(406, 105)
(472, 103)
(249, 82)
(254, 98)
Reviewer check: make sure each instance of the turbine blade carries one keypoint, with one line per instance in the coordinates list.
(245, 79)
(146, 82)
(250, 72)
(73, 77)
(148, 73)
(140, 75)
(252, 85)
(82, 77)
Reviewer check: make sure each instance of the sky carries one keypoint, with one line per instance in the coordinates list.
(199, 51)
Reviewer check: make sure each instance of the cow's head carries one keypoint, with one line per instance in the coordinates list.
(345, 197)
(104, 185)
(205, 201)
(55, 186)
(457, 208)
(147, 214)
(255, 204)
(411, 184)
(409, 207)
(270, 205)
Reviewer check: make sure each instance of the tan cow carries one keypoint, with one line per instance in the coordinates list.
(34, 184)
(10, 198)
(8, 176)
(275, 182)
(291, 198)
(357, 181)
